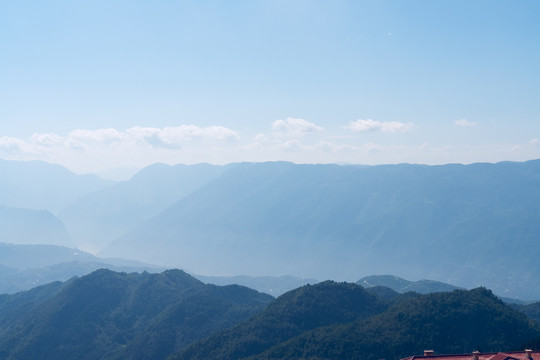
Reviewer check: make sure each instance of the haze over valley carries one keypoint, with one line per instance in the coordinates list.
(460, 224)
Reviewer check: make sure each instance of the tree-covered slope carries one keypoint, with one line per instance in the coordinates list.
(455, 322)
(531, 310)
(291, 314)
(109, 315)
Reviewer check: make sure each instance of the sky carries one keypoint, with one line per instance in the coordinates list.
(102, 84)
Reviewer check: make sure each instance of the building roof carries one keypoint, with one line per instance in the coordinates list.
(511, 355)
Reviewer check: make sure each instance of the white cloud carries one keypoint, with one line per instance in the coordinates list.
(291, 145)
(260, 137)
(49, 139)
(374, 148)
(110, 146)
(369, 125)
(327, 146)
(14, 146)
(294, 127)
(191, 132)
(86, 150)
(104, 136)
(174, 137)
(464, 123)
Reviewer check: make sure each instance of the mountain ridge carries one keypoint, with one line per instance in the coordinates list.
(443, 222)
(111, 315)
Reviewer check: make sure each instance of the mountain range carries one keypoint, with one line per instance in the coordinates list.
(171, 315)
(450, 323)
(99, 217)
(110, 315)
(468, 225)
(26, 226)
(23, 267)
(401, 285)
(37, 185)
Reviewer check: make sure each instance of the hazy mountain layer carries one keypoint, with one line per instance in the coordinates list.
(273, 285)
(401, 285)
(466, 225)
(24, 226)
(41, 186)
(99, 217)
(23, 267)
(37, 256)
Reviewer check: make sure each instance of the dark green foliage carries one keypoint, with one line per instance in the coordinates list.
(531, 310)
(113, 316)
(391, 297)
(291, 314)
(456, 322)
(108, 315)
(383, 292)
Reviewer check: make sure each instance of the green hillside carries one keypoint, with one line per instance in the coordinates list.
(108, 315)
(290, 315)
(456, 322)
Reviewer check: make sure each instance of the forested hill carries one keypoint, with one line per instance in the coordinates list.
(171, 315)
(456, 322)
(466, 225)
(290, 315)
(109, 315)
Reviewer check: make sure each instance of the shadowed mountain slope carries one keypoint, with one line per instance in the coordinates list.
(108, 315)
(467, 225)
(456, 322)
(291, 314)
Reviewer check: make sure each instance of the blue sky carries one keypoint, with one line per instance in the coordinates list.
(101, 84)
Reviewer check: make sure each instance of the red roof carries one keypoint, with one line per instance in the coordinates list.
(512, 355)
